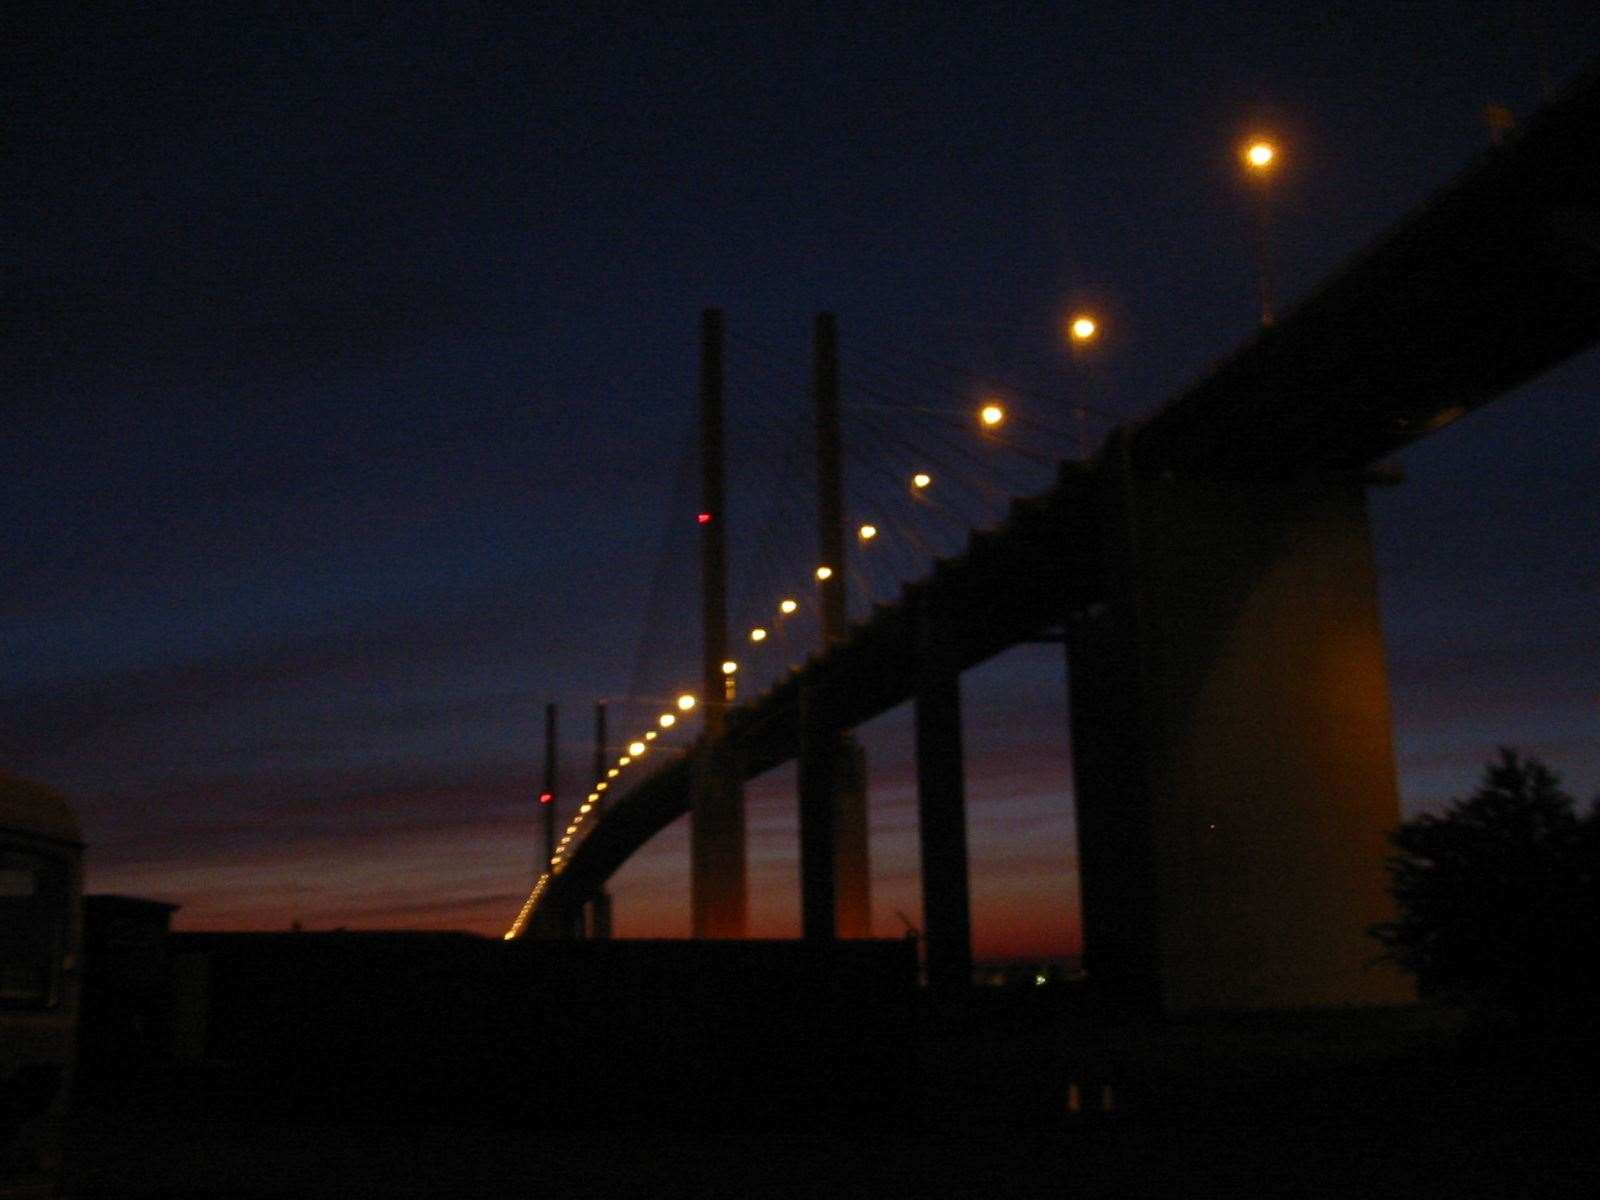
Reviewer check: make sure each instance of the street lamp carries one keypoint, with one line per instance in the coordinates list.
(1083, 329)
(1260, 157)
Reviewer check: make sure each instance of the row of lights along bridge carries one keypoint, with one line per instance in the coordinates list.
(1259, 155)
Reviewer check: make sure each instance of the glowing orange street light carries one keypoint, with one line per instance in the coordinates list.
(1260, 159)
(787, 607)
(991, 415)
(867, 532)
(921, 480)
(666, 720)
(1082, 330)
(758, 634)
(636, 748)
(1258, 155)
(685, 702)
(824, 574)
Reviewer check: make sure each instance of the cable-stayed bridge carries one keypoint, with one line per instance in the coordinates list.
(1210, 572)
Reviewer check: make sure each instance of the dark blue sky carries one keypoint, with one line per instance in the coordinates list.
(349, 358)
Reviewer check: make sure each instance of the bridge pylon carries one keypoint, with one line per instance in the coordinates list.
(718, 900)
(847, 774)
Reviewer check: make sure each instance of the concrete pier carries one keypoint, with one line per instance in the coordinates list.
(1232, 749)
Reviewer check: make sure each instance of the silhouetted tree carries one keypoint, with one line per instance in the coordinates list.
(1500, 895)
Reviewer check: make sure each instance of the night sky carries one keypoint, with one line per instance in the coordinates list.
(348, 360)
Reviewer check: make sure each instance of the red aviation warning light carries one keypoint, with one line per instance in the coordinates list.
(704, 518)
(546, 798)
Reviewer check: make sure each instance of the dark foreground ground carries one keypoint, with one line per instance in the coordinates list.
(1416, 1102)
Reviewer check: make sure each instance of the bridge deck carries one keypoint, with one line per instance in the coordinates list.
(1489, 283)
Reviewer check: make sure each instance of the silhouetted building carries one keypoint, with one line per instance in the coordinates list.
(440, 1027)
(127, 984)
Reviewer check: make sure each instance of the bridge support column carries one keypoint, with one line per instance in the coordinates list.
(818, 770)
(719, 904)
(576, 928)
(1232, 746)
(942, 829)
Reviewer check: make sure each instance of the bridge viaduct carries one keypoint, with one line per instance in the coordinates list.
(1210, 571)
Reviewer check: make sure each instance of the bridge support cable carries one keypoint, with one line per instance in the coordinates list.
(830, 490)
(941, 814)
(1233, 760)
(661, 663)
(717, 871)
(775, 566)
(848, 771)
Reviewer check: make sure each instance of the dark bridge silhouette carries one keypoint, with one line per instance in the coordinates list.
(1210, 572)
